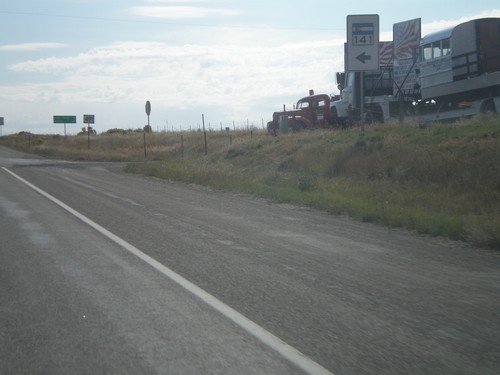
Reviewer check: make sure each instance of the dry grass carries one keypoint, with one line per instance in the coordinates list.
(442, 180)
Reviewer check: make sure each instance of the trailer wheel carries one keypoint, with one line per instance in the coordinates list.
(488, 107)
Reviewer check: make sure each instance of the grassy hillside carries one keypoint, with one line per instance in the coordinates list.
(441, 180)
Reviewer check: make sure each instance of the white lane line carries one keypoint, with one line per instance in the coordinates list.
(266, 337)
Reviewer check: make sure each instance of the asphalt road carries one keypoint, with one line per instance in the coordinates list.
(106, 272)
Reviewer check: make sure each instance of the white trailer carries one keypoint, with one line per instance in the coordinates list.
(460, 71)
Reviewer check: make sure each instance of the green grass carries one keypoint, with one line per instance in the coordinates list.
(443, 180)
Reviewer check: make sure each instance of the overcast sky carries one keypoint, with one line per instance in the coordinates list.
(230, 60)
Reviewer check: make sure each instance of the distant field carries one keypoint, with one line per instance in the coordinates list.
(443, 180)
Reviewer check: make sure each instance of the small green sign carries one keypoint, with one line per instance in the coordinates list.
(64, 119)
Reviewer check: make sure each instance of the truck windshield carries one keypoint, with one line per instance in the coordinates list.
(302, 104)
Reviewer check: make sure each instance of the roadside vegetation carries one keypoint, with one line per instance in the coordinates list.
(442, 180)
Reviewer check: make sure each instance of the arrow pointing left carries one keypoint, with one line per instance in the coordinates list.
(363, 57)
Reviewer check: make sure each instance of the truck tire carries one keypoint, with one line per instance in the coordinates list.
(337, 122)
(297, 125)
(334, 117)
(374, 114)
(369, 117)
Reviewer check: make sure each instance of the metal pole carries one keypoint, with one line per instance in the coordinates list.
(145, 145)
(145, 152)
(362, 86)
(88, 136)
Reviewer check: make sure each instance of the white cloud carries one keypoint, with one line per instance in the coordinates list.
(431, 27)
(231, 81)
(194, 74)
(30, 47)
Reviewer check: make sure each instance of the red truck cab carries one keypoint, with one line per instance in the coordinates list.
(313, 111)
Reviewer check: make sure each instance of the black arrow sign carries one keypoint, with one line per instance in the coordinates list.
(363, 57)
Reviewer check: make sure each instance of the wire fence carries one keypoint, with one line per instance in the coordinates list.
(210, 126)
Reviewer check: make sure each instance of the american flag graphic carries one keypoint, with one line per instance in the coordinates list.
(406, 37)
(385, 53)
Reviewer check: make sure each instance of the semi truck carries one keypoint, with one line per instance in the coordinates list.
(453, 73)
(377, 90)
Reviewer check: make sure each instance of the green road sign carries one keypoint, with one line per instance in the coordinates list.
(64, 119)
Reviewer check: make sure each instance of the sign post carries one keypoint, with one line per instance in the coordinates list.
(88, 119)
(148, 112)
(64, 120)
(362, 49)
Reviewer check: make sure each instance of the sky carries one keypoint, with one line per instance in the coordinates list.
(234, 61)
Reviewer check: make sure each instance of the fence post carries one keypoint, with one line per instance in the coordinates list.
(204, 133)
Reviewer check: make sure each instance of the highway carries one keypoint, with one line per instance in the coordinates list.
(103, 272)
